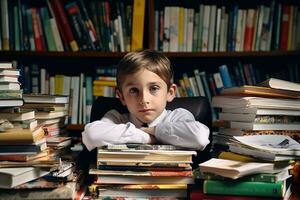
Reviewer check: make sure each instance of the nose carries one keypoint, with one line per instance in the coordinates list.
(144, 98)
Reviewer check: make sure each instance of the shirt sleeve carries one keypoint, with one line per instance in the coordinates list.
(112, 129)
(181, 129)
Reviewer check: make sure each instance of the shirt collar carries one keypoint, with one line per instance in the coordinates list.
(138, 123)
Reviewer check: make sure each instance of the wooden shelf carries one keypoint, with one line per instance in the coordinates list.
(105, 55)
(75, 127)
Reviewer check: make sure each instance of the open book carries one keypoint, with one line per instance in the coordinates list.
(280, 84)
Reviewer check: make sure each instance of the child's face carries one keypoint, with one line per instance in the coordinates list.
(145, 94)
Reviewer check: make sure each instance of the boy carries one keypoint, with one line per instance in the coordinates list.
(145, 85)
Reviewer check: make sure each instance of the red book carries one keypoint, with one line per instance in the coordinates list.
(249, 30)
(286, 12)
(63, 23)
(36, 30)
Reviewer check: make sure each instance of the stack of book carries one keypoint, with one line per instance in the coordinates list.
(10, 92)
(256, 130)
(142, 171)
(243, 180)
(273, 108)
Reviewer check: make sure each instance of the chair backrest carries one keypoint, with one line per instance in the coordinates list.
(198, 106)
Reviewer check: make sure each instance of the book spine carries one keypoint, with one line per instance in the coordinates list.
(243, 188)
(138, 24)
(61, 15)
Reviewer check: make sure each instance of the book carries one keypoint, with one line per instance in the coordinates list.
(119, 179)
(281, 84)
(259, 102)
(145, 156)
(22, 135)
(22, 148)
(260, 177)
(261, 111)
(24, 157)
(264, 126)
(269, 119)
(11, 102)
(21, 115)
(277, 189)
(258, 91)
(50, 114)
(236, 169)
(43, 98)
(138, 24)
(12, 177)
(279, 144)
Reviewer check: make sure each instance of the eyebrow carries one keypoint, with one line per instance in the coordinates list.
(133, 84)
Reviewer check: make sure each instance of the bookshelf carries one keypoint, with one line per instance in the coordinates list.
(60, 62)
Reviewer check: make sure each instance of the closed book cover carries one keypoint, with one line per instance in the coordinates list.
(11, 177)
(277, 189)
(281, 84)
(137, 37)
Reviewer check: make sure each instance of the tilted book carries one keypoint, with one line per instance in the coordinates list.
(236, 169)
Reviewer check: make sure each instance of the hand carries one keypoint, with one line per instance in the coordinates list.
(149, 130)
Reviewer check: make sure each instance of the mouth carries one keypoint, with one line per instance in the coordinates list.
(145, 110)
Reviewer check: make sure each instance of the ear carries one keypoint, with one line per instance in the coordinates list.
(172, 92)
(120, 96)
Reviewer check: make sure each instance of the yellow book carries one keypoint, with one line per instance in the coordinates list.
(59, 84)
(234, 156)
(22, 135)
(105, 83)
(138, 24)
(181, 29)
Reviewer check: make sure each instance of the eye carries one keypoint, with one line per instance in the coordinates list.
(154, 88)
(133, 90)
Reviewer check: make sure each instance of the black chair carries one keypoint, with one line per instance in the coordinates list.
(198, 106)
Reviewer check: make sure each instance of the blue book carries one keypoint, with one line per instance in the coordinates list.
(225, 76)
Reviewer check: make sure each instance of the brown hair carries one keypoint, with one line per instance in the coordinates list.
(151, 60)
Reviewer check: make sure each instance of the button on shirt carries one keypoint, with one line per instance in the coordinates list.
(177, 127)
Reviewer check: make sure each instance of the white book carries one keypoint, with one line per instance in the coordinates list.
(205, 28)
(261, 111)
(13, 79)
(75, 99)
(199, 82)
(11, 177)
(120, 33)
(235, 169)
(238, 31)
(84, 106)
(194, 86)
(190, 30)
(174, 18)
(281, 84)
(166, 29)
(259, 102)
(244, 14)
(6, 65)
(9, 86)
(212, 28)
(67, 85)
(218, 81)
(278, 144)
(80, 114)
(52, 85)
(261, 126)
(7, 72)
(54, 28)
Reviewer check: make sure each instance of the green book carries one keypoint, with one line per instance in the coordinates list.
(277, 189)
(260, 177)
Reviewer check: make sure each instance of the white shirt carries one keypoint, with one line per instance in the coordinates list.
(177, 127)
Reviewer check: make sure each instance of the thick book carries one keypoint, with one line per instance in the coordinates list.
(138, 18)
(279, 144)
(11, 177)
(236, 169)
(11, 102)
(259, 102)
(22, 135)
(261, 111)
(281, 84)
(21, 115)
(246, 117)
(260, 177)
(43, 98)
(277, 189)
(259, 91)
(264, 126)
(120, 179)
